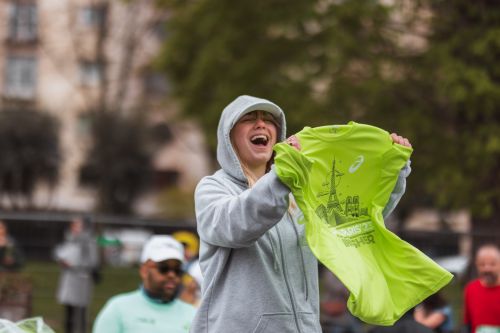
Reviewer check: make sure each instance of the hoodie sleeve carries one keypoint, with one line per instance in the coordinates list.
(398, 191)
(238, 220)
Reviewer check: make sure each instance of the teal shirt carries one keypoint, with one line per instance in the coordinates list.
(133, 312)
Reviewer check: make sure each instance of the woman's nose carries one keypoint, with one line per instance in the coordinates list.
(259, 122)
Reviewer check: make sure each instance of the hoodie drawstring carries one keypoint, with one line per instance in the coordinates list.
(273, 249)
(301, 254)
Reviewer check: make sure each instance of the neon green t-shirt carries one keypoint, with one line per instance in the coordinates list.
(342, 179)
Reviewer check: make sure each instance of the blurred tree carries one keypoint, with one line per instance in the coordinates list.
(333, 61)
(322, 61)
(177, 204)
(451, 101)
(29, 154)
(119, 162)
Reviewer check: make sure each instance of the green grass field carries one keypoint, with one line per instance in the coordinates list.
(45, 275)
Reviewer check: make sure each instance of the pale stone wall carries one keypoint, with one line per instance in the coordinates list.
(64, 41)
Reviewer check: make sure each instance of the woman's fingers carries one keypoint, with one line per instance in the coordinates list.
(400, 140)
(294, 142)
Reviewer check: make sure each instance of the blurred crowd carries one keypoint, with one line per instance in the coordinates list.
(80, 260)
(171, 282)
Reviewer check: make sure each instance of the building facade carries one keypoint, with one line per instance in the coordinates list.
(69, 57)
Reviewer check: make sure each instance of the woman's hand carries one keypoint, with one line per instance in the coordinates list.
(399, 140)
(294, 142)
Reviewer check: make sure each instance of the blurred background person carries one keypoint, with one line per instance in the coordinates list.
(11, 256)
(482, 295)
(192, 282)
(435, 313)
(405, 324)
(155, 306)
(191, 244)
(335, 317)
(78, 258)
(15, 288)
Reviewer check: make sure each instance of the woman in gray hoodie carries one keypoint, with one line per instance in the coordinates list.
(259, 274)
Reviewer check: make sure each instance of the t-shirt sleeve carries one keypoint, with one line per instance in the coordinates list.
(293, 169)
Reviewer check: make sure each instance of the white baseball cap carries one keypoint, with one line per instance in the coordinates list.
(162, 247)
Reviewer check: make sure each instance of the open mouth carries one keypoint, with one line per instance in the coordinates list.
(260, 140)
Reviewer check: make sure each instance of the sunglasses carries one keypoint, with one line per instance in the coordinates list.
(165, 269)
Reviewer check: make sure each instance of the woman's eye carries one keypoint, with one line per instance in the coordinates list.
(247, 118)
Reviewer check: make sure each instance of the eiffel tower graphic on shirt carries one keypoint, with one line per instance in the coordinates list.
(333, 213)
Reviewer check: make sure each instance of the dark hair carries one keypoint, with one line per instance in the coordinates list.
(434, 301)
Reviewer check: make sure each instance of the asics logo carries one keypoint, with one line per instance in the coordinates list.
(357, 163)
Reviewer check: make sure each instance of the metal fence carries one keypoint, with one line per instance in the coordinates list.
(38, 233)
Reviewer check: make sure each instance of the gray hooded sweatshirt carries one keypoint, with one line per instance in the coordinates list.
(259, 274)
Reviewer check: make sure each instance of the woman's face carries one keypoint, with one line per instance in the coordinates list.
(254, 136)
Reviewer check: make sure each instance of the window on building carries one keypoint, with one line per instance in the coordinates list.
(159, 29)
(84, 127)
(23, 22)
(156, 84)
(20, 77)
(91, 73)
(92, 16)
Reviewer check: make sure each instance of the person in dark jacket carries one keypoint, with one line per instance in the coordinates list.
(435, 313)
(406, 324)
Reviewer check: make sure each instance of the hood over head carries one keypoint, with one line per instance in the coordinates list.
(226, 156)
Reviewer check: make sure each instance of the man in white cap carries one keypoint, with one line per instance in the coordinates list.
(155, 307)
